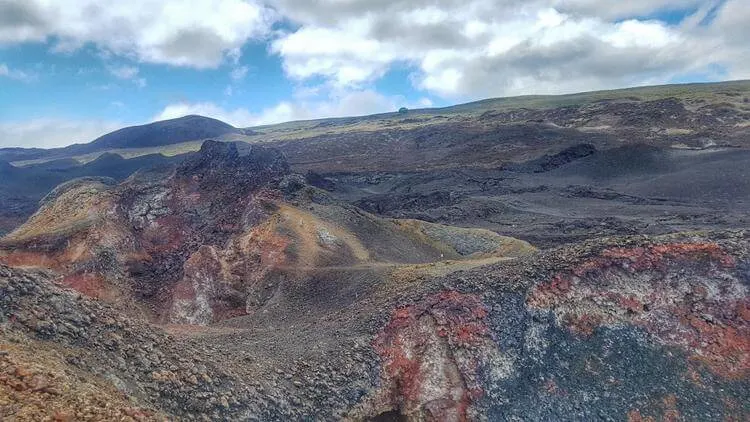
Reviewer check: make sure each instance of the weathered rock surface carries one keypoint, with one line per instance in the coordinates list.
(218, 236)
(613, 329)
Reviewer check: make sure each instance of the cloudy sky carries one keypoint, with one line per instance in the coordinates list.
(71, 70)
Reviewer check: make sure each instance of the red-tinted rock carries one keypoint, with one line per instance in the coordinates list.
(684, 294)
(431, 352)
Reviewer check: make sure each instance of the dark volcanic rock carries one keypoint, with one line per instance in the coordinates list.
(626, 330)
(142, 362)
(549, 162)
(221, 163)
(188, 128)
(138, 238)
(613, 329)
(409, 203)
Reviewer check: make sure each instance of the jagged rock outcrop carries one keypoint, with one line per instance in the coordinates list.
(620, 329)
(135, 240)
(217, 236)
(687, 295)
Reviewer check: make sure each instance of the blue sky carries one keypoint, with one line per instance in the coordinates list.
(72, 70)
(82, 84)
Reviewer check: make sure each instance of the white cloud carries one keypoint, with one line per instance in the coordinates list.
(124, 72)
(344, 55)
(351, 103)
(16, 74)
(458, 49)
(128, 73)
(239, 73)
(197, 34)
(732, 31)
(625, 9)
(238, 117)
(50, 133)
(464, 49)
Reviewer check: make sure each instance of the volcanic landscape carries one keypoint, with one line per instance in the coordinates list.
(554, 258)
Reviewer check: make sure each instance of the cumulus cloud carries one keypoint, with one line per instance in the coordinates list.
(625, 9)
(197, 34)
(336, 105)
(50, 133)
(458, 49)
(731, 32)
(481, 48)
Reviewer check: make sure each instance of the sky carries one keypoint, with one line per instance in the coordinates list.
(72, 70)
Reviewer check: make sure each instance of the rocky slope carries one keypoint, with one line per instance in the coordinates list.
(615, 329)
(286, 305)
(574, 195)
(503, 136)
(218, 236)
(23, 187)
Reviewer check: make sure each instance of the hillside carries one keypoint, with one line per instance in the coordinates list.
(617, 328)
(162, 133)
(567, 258)
(485, 135)
(709, 103)
(222, 213)
(157, 134)
(22, 188)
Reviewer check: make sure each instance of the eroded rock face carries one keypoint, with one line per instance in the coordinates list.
(433, 354)
(157, 240)
(189, 226)
(684, 294)
(632, 330)
(221, 283)
(200, 284)
(500, 342)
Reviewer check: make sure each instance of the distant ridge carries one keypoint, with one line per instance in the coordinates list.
(156, 134)
(197, 128)
(165, 132)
